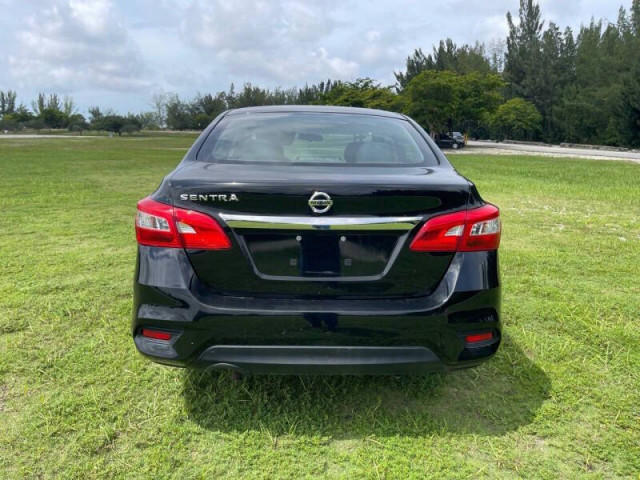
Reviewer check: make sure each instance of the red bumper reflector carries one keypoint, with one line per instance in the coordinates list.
(156, 334)
(479, 337)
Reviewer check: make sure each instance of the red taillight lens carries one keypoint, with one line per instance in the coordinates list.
(200, 231)
(160, 225)
(478, 337)
(156, 334)
(441, 233)
(155, 226)
(471, 230)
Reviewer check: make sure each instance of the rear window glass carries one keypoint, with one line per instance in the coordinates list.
(316, 139)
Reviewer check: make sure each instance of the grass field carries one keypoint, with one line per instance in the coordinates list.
(560, 400)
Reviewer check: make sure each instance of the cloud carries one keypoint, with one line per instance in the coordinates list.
(272, 41)
(377, 48)
(76, 44)
(255, 24)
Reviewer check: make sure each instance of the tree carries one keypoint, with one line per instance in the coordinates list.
(630, 111)
(7, 123)
(209, 106)
(69, 106)
(159, 104)
(43, 102)
(415, 65)
(575, 83)
(116, 124)
(480, 95)
(12, 118)
(39, 105)
(250, 96)
(496, 55)
(592, 106)
(53, 117)
(523, 58)
(179, 116)
(464, 59)
(555, 74)
(35, 124)
(77, 123)
(131, 124)
(447, 56)
(635, 17)
(147, 120)
(441, 101)
(517, 119)
(364, 93)
(94, 114)
(22, 114)
(7, 102)
(50, 110)
(315, 94)
(433, 99)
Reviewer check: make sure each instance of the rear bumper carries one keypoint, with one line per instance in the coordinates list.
(331, 336)
(320, 360)
(300, 359)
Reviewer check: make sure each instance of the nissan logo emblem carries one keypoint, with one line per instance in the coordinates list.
(320, 202)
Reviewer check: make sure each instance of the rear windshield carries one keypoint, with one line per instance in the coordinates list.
(316, 139)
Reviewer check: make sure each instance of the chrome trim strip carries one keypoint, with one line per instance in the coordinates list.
(274, 222)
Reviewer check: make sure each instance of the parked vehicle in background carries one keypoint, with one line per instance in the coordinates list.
(458, 136)
(444, 140)
(324, 240)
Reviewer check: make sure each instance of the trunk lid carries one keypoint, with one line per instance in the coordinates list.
(358, 248)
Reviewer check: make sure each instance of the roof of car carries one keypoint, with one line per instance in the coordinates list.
(314, 109)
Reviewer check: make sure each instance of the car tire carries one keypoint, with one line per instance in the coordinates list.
(455, 146)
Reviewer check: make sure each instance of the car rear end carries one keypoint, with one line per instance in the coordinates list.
(316, 241)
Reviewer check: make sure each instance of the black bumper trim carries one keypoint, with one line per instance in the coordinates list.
(320, 360)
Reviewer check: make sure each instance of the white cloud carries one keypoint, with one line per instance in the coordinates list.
(76, 44)
(93, 15)
(372, 35)
(272, 41)
(255, 24)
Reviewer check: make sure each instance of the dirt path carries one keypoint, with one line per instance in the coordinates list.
(480, 147)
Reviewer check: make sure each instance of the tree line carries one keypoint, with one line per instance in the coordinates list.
(52, 112)
(540, 83)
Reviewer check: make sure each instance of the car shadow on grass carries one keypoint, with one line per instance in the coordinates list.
(499, 396)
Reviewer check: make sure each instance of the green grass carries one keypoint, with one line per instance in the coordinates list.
(560, 400)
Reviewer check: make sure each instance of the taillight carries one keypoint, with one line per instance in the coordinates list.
(468, 231)
(484, 229)
(155, 226)
(160, 225)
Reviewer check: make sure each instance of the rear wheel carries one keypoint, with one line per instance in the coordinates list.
(455, 146)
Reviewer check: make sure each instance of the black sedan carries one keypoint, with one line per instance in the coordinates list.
(321, 240)
(444, 140)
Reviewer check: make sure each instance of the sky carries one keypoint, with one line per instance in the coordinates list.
(118, 53)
